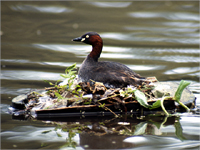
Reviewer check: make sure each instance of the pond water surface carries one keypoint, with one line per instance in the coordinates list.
(153, 38)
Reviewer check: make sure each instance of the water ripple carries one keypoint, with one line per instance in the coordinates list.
(4, 108)
(182, 24)
(163, 29)
(146, 67)
(166, 15)
(197, 74)
(171, 50)
(183, 70)
(111, 4)
(30, 133)
(161, 143)
(11, 91)
(28, 75)
(133, 67)
(41, 9)
(78, 49)
(127, 52)
(134, 37)
(23, 61)
(178, 59)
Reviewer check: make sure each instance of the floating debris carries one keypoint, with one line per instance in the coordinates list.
(94, 100)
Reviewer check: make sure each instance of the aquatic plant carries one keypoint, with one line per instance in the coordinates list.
(142, 99)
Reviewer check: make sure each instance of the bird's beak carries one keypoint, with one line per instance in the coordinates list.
(78, 39)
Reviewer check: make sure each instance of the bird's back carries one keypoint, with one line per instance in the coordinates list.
(112, 74)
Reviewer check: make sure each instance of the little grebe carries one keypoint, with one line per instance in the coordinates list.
(111, 74)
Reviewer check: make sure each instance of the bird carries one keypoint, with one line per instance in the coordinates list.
(111, 74)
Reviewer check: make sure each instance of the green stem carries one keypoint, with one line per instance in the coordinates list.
(184, 106)
(162, 105)
(165, 120)
(106, 108)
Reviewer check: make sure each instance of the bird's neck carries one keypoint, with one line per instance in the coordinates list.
(96, 50)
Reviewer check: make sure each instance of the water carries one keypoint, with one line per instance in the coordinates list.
(153, 38)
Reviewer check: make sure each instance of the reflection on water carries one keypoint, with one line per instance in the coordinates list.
(111, 133)
(158, 38)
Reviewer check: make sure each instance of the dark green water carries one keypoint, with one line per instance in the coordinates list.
(153, 38)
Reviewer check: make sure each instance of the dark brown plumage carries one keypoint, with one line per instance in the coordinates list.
(112, 74)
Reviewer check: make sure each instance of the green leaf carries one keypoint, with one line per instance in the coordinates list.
(59, 135)
(70, 84)
(141, 98)
(65, 75)
(50, 83)
(79, 90)
(87, 103)
(44, 132)
(183, 84)
(156, 104)
(72, 73)
(65, 130)
(76, 96)
(179, 131)
(58, 95)
(140, 128)
(157, 124)
(78, 86)
(70, 68)
(57, 82)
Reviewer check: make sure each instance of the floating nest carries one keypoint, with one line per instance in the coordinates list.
(85, 99)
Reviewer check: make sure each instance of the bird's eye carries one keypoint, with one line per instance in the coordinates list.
(87, 36)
